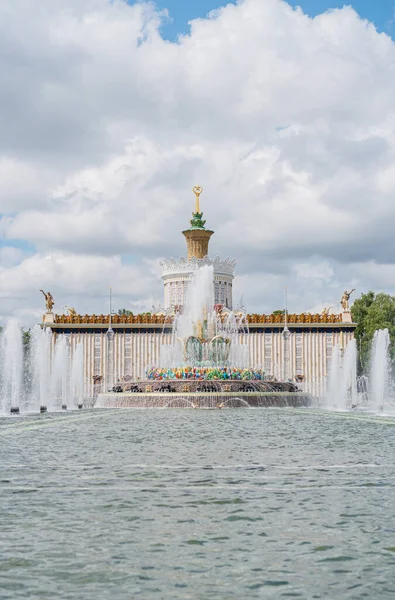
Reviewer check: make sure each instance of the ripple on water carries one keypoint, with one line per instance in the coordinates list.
(228, 508)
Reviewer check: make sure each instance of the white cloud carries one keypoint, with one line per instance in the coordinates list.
(285, 120)
(10, 256)
(314, 269)
(77, 280)
(69, 270)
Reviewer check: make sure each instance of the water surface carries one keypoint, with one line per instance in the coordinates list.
(171, 504)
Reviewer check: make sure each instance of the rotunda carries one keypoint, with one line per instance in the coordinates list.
(177, 273)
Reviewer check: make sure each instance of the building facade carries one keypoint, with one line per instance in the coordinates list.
(299, 349)
(177, 274)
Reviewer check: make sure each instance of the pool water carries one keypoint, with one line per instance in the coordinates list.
(195, 504)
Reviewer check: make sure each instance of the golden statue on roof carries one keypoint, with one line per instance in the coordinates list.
(344, 300)
(49, 301)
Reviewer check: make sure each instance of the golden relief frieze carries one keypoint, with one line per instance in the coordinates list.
(147, 318)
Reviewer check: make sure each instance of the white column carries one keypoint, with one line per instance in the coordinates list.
(110, 359)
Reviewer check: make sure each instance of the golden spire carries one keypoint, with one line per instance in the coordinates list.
(197, 190)
(197, 236)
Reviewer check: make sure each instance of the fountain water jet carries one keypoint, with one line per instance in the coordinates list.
(42, 376)
(380, 369)
(40, 365)
(77, 377)
(349, 376)
(342, 384)
(331, 398)
(11, 352)
(59, 375)
(201, 336)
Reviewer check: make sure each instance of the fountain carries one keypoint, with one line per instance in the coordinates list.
(342, 384)
(345, 390)
(59, 375)
(41, 377)
(202, 336)
(77, 377)
(11, 355)
(202, 367)
(362, 391)
(204, 352)
(348, 398)
(379, 370)
(333, 390)
(206, 362)
(40, 362)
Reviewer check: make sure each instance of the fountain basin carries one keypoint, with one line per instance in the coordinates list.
(222, 398)
(195, 393)
(195, 386)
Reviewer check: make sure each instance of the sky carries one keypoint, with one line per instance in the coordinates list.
(110, 112)
(180, 12)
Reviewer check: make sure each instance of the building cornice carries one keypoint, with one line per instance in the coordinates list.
(147, 328)
(181, 266)
(152, 321)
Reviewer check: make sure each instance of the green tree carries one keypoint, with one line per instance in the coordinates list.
(26, 338)
(372, 312)
(123, 312)
(279, 311)
(359, 311)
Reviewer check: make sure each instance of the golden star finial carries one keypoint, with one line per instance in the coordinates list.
(197, 190)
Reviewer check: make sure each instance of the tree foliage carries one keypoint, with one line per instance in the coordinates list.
(26, 337)
(123, 312)
(372, 311)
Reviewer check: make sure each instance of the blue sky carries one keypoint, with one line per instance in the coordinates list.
(104, 134)
(380, 12)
